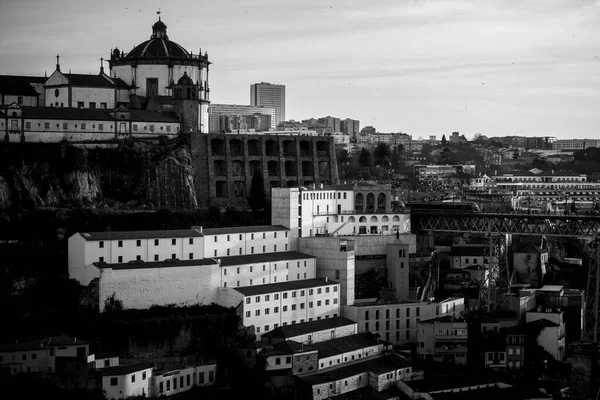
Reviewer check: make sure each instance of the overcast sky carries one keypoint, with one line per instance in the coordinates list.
(499, 67)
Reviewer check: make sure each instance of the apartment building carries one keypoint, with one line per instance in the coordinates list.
(442, 339)
(397, 322)
(87, 248)
(275, 305)
(41, 355)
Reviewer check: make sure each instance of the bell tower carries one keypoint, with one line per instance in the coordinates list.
(186, 103)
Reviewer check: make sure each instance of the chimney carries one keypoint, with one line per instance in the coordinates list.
(326, 279)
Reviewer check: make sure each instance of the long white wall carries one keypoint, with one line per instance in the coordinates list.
(144, 287)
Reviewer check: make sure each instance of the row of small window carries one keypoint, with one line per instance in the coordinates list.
(452, 332)
(264, 280)
(323, 196)
(332, 385)
(84, 125)
(138, 242)
(188, 381)
(81, 104)
(339, 360)
(23, 357)
(267, 328)
(65, 125)
(264, 250)
(114, 381)
(139, 257)
(264, 236)
(293, 308)
(293, 293)
(388, 325)
(264, 268)
(387, 313)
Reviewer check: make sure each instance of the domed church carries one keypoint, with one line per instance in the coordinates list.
(154, 67)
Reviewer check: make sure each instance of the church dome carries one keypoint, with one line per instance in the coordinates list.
(159, 45)
(185, 79)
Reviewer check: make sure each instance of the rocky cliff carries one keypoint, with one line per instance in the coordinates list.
(132, 175)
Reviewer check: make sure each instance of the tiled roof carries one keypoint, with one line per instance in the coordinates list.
(284, 286)
(124, 235)
(17, 85)
(378, 366)
(444, 318)
(21, 346)
(542, 323)
(244, 229)
(152, 116)
(40, 344)
(64, 341)
(345, 344)
(125, 369)
(263, 257)
(303, 328)
(287, 347)
(156, 264)
(88, 80)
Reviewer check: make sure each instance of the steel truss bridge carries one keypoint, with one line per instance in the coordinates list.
(495, 225)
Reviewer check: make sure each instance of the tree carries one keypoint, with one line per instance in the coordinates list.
(113, 304)
(364, 159)
(382, 154)
(444, 141)
(396, 158)
(342, 156)
(258, 198)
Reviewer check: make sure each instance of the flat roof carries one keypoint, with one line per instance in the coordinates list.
(53, 341)
(345, 344)
(377, 365)
(124, 235)
(244, 229)
(284, 286)
(138, 264)
(303, 328)
(263, 257)
(368, 393)
(442, 318)
(126, 369)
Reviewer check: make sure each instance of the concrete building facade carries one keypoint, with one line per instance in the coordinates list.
(271, 96)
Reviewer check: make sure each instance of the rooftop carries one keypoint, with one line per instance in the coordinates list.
(125, 235)
(284, 286)
(244, 229)
(17, 86)
(288, 347)
(168, 263)
(467, 250)
(345, 344)
(494, 393)
(53, 341)
(263, 257)
(441, 319)
(125, 369)
(288, 331)
(368, 393)
(377, 365)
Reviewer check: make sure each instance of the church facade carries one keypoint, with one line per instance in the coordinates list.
(153, 67)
